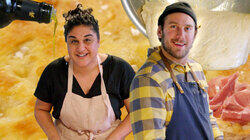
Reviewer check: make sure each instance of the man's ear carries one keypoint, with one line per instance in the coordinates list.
(159, 32)
(195, 32)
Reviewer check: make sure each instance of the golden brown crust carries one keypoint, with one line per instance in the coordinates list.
(27, 48)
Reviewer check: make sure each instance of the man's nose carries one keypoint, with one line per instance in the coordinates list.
(180, 32)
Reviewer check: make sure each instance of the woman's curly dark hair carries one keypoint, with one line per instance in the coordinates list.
(80, 16)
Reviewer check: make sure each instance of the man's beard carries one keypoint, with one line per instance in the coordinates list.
(170, 50)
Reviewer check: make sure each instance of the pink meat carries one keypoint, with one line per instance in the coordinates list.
(243, 86)
(217, 112)
(243, 97)
(226, 90)
(214, 85)
(242, 117)
(232, 101)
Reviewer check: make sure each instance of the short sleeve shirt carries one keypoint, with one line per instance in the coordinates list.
(117, 75)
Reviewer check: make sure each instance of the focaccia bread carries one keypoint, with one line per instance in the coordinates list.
(222, 40)
(27, 48)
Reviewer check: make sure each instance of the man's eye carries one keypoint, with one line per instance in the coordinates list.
(173, 26)
(188, 28)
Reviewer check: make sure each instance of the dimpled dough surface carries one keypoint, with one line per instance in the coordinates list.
(222, 41)
(27, 48)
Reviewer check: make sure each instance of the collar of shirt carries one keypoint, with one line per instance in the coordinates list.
(178, 67)
(153, 53)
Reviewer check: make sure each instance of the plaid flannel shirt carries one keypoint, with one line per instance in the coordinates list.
(152, 95)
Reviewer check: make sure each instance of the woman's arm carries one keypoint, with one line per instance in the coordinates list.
(124, 127)
(44, 119)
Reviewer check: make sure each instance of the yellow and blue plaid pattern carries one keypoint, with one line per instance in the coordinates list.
(152, 95)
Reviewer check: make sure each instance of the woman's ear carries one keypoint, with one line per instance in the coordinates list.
(66, 58)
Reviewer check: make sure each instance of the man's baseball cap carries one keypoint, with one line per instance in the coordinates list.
(182, 7)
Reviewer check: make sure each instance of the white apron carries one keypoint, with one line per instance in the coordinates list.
(86, 118)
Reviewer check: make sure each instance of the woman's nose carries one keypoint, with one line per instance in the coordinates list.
(81, 47)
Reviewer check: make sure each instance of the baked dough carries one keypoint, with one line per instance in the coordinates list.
(27, 48)
(222, 41)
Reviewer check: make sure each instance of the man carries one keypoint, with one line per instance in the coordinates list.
(168, 98)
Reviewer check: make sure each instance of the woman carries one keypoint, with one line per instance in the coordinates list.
(86, 89)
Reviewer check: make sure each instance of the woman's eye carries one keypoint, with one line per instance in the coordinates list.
(73, 41)
(87, 40)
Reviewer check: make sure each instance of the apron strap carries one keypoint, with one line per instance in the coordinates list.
(167, 64)
(88, 133)
(103, 88)
(195, 78)
(70, 76)
(171, 72)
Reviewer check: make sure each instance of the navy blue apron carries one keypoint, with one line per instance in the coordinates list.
(190, 119)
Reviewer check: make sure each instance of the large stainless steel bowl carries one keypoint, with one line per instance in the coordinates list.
(133, 8)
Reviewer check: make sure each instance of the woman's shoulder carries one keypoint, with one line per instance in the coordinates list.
(117, 65)
(116, 61)
(57, 64)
